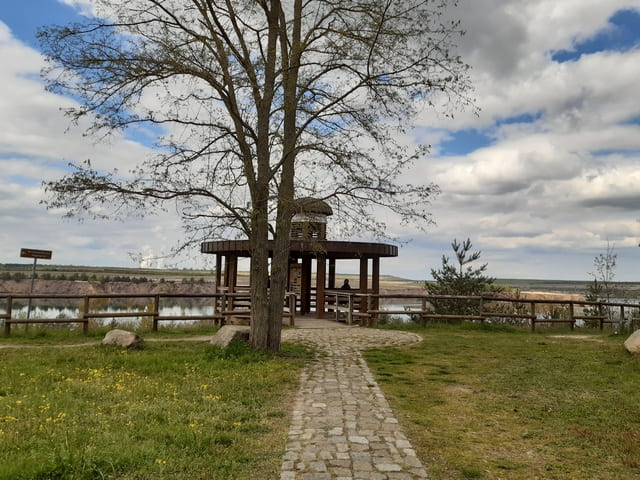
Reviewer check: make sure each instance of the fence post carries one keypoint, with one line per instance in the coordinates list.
(622, 321)
(337, 309)
(216, 308)
(7, 321)
(423, 315)
(571, 315)
(371, 319)
(601, 315)
(533, 316)
(156, 312)
(85, 315)
(224, 308)
(481, 306)
(350, 312)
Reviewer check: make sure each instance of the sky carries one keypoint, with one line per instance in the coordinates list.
(542, 180)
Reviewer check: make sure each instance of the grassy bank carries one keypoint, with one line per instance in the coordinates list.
(482, 404)
(173, 410)
(44, 334)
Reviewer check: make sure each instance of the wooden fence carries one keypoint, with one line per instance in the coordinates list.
(225, 306)
(354, 307)
(350, 305)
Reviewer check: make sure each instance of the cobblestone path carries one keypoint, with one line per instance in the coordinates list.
(342, 426)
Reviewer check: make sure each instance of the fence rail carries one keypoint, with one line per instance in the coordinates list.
(350, 305)
(355, 307)
(225, 305)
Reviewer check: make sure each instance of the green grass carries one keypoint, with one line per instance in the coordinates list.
(175, 410)
(45, 334)
(486, 403)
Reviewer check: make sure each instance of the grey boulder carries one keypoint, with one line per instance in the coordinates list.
(632, 344)
(122, 338)
(228, 333)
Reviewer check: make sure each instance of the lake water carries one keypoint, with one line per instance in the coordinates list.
(70, 312)
(57, 313)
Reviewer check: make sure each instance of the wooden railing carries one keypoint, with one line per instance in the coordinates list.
(355, 307)
(225, 305)
(350, 305)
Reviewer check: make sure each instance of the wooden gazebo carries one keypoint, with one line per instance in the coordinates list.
(308, 244)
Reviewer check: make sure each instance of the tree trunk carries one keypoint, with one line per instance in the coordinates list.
(279, 275)
(260, 324)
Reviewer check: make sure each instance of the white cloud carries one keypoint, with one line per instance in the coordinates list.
(540, 200)
(36, 143)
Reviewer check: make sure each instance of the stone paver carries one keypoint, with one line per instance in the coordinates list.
(342, 426)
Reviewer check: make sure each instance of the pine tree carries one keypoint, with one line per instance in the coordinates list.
(462, 279)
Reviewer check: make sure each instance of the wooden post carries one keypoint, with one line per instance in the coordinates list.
(533, 316)
(292, 309)
(572, 320)
(375, 286)
(332, 274)
(233, 273)
(321, 264)
(305, 286)
(224, 306)
(601, 315)
(481, 306)
(156, 312)
(7, 321)
(230, 278)
(622, 315)
(364, 281)
(218, 271)
(85, 315)
(337, 308)
(423, 315)
(350, 312)
(571, 315)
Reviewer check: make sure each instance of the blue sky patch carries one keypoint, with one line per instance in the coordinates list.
(41, 13)
(523, 118)
(632, 121)
(620, 36)
(464, 142)
(630, 152)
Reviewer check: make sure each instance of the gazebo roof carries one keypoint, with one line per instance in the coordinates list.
(307, 248)
(309, 205)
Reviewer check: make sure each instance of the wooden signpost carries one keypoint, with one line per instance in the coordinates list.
(35, 254)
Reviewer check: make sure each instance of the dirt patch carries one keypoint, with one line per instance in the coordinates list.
(588, 338)
(551, 296)
(459, 389)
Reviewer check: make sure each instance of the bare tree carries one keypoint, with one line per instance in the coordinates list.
(256, 101)
(602, 287)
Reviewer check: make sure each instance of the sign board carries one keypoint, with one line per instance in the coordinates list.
(295, 278)
(33, 253)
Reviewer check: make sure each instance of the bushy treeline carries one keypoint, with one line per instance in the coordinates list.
(85, 277)
(82, 277)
